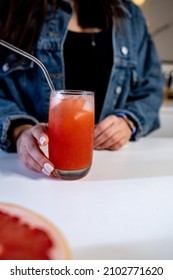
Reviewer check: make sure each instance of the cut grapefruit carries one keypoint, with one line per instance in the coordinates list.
(25, 235)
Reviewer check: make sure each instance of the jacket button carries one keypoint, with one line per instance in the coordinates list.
(5, 67)
(118, 90)
(124, 51)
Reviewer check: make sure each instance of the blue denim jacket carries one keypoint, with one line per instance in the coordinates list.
(134, 88)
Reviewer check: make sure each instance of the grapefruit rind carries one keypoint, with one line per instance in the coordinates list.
(60, 249)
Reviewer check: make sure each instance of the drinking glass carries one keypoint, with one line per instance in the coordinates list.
(71, 132)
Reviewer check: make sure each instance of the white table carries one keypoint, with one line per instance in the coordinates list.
(123, 209)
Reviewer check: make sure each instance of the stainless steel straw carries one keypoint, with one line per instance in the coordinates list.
(31, 57)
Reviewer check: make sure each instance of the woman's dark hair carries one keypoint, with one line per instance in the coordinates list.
(21, 20)
(98, 13)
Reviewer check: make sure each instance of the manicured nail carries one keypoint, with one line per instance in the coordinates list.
(42, 140)
(47, 169)
(45, 172)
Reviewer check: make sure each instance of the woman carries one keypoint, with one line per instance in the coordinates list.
(100, 45)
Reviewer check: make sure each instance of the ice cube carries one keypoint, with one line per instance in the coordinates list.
(55, 100)
(78, 115)
(88, 105)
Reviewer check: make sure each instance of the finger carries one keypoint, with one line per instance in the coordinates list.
(30, 163)
(118, 144)
(102, 126)
(39, 132)
(26, 158)
(112, 132)
(109, 141)
(39, 160)
(103, 137)
(30, 153)
(118, 140)
(34, 158)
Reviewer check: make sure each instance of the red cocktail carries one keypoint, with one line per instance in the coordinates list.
(71, 129)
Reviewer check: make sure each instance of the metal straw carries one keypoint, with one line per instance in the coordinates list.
(31, 57)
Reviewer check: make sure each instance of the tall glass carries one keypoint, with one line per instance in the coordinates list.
(71, 132)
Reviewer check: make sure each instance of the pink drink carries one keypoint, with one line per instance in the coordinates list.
(71, 128)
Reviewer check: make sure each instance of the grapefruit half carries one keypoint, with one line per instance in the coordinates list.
(25, 235)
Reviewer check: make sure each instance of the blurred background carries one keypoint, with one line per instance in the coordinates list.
(159, 17)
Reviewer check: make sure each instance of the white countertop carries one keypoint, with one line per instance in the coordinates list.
(123, 209)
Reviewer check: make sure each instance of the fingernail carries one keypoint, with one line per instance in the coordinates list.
(45, 172)
(42, 140)
(47, 169)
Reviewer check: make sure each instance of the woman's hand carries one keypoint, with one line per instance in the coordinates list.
(112, 133)
(28, 138)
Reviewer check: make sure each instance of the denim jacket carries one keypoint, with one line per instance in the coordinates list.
(134, 87)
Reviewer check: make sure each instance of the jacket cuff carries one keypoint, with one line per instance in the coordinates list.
(129, 123)
(9, 123)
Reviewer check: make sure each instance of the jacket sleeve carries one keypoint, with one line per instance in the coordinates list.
(146, 95)
(10, 114)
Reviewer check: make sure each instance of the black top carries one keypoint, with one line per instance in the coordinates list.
(88, 62)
